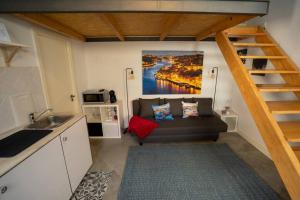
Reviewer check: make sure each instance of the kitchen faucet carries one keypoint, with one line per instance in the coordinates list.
(34, 118)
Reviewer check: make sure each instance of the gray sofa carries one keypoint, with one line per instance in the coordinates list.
(205, 127)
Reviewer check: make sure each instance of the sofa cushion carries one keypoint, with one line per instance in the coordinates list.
(146, 106)
(175, 106)
(189, 100)
(162, 101)
(191, 125)
(204, 106)
(136, 107)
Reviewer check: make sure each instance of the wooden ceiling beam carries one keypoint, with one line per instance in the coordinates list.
(51, 24)
(228, 22)
(169, 23)
(112, 22)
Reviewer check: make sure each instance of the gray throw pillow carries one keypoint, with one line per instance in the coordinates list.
(189, 100)
(146, 106)
(204, 106)
(175, 106)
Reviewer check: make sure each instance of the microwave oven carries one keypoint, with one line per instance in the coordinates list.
(95, 96)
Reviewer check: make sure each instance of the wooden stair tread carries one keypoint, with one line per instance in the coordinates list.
(284, 107)
(273, 71)
(291, 130)
(277, 88)
(263, 57)
(247, 44)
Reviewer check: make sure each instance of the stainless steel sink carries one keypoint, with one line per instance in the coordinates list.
(50, 122)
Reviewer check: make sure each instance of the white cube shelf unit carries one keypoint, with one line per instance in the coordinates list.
(231, 119)
(109, 115)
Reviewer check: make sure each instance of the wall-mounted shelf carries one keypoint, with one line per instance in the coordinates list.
(9, 50)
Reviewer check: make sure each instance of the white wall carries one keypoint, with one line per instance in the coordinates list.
(283, 23)
(106, 63)
(21, 90)
(246, 124)
(80, 70)
(20, 32)
(20, 84)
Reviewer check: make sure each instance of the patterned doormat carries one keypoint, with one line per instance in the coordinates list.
(93, 186)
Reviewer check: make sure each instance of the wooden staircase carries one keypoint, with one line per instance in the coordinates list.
(277, 135)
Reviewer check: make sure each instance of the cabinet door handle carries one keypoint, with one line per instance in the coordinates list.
(3, 189)
(65, 139)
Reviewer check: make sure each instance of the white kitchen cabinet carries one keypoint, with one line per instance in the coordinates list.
(77, 152)
(42, 176)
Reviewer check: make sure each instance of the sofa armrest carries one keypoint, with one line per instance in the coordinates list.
(216, 114)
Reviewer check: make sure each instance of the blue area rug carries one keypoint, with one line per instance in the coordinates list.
(190, 172)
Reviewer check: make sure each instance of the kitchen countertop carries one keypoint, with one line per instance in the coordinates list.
(6, 164)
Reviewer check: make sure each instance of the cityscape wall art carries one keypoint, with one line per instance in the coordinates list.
(172, 72)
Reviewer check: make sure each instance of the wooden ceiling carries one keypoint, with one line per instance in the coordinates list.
(88, 26)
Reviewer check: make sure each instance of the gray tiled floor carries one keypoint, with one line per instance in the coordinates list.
(111, 154)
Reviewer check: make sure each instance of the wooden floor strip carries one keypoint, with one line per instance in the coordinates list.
(284, 107)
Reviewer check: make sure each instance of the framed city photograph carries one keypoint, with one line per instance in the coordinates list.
(172, 72)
